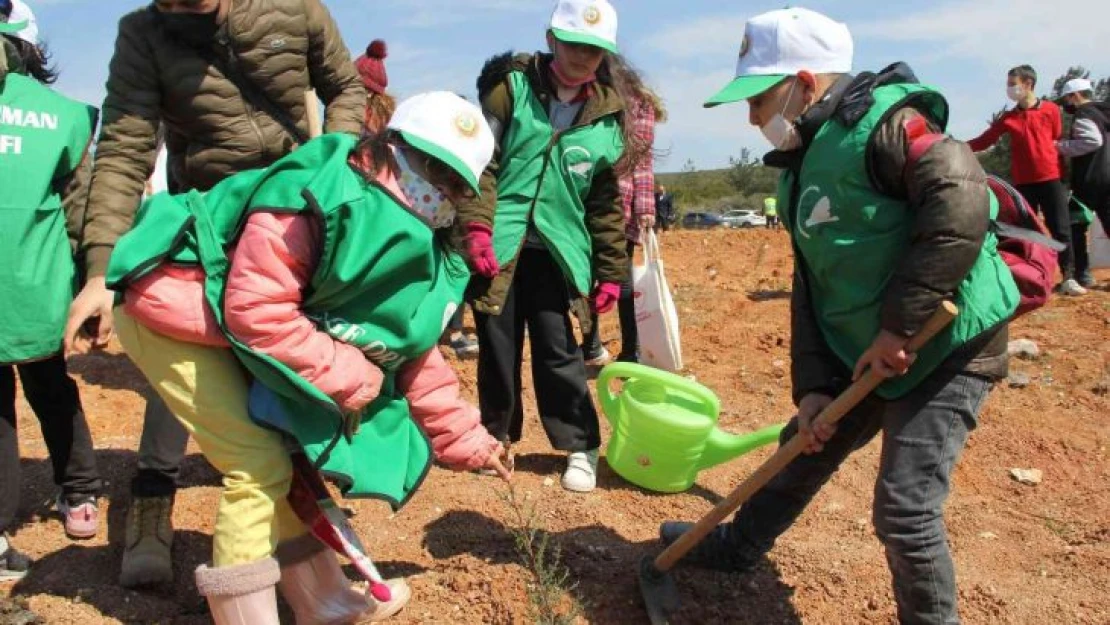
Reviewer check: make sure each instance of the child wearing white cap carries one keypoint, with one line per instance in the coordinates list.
(44, 138)
(879, 243)
(547, 234)
(340, 275)
(1087, 147)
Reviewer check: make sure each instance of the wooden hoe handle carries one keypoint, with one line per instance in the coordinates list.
(787, 453)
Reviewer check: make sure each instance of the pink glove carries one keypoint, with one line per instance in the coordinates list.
(605, 296)
(479, 246)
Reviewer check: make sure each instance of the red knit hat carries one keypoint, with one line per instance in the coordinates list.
(371, 66)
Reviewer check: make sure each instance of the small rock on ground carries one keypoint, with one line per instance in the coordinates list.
(1024, 349)
(1018, 379)
(1031, 477)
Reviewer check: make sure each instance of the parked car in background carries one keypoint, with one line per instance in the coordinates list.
(702, 220)
(744, 218)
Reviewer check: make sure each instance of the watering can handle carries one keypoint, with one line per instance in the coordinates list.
(633, 371)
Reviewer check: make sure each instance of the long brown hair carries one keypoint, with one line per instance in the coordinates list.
(637, 97)
(379, 110)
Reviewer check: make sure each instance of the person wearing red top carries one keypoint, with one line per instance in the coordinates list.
(1034, 126)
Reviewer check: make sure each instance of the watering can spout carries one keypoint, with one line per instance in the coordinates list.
(722, 447)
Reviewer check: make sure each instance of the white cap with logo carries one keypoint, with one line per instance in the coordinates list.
(1076, 85)
(782, 43)
(449, 129)
(589, 22)
(21, 24)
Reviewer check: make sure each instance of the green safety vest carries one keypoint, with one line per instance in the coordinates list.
(545, 179)
(770, 207)
(43, 137)
(851, 237)
(384, 283)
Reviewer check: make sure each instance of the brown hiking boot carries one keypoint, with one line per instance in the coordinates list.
(146, 555)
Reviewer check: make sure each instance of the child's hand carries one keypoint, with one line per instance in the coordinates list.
(887, 357)
(479, 247)
(501, 464)
(606, 296)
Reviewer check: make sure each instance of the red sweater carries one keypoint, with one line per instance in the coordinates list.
(1033, 134)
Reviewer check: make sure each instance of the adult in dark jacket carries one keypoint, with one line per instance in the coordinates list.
(1088, 148)
(878, 248)
(173, 70)
(664, 209)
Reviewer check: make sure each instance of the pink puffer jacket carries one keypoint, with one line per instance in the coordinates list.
(271, 266)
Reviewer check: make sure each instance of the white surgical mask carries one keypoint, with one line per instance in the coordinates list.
(1015, 93)
(428, 202)
(781, 133)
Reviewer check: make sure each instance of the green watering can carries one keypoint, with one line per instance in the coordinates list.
(665, 428)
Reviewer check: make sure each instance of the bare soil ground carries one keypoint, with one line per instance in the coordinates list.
(1025, 554)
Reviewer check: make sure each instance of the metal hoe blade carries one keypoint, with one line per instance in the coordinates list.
(659, 591)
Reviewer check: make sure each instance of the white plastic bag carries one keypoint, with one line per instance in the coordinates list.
(1100, 246)
(656, 317)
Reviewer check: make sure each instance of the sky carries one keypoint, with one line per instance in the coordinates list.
(686, 49)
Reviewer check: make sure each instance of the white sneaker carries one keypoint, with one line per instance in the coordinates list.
(1072, 287)
(602, 359)
(581, 475)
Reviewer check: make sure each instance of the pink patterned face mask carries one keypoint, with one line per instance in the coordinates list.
(427, 202)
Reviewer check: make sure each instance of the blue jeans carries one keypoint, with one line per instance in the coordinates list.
(923, 436)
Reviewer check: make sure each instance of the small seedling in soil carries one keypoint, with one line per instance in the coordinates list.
(551, 593)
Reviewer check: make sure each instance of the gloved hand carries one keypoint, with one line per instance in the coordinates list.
(479, 247)
(605, 296)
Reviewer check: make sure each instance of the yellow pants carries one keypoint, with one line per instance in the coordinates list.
(206, 388)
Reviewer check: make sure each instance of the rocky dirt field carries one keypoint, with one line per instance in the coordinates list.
(1025, 553)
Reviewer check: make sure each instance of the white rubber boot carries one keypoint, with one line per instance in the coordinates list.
(315, 586)
(243, 594)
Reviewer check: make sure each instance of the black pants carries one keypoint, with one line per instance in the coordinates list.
(161, 451)
(54, 399)
(539, 301)
(1079, 244)
(1051, 200)
(626, 308)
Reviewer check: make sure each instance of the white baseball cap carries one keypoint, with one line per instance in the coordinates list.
(449, 129)
(782, 43)
(21, 23)
(590, 22)
(1076, 85)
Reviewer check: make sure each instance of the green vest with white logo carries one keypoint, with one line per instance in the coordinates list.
(384, 282)
(852, 237)
(43, 137)
(545, 178)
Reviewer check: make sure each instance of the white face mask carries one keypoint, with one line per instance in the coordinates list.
(1015, 93)
(428, 202)
(781, 133)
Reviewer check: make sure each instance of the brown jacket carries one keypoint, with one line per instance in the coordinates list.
(948, 191)
(604, 213)
(284, 46)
